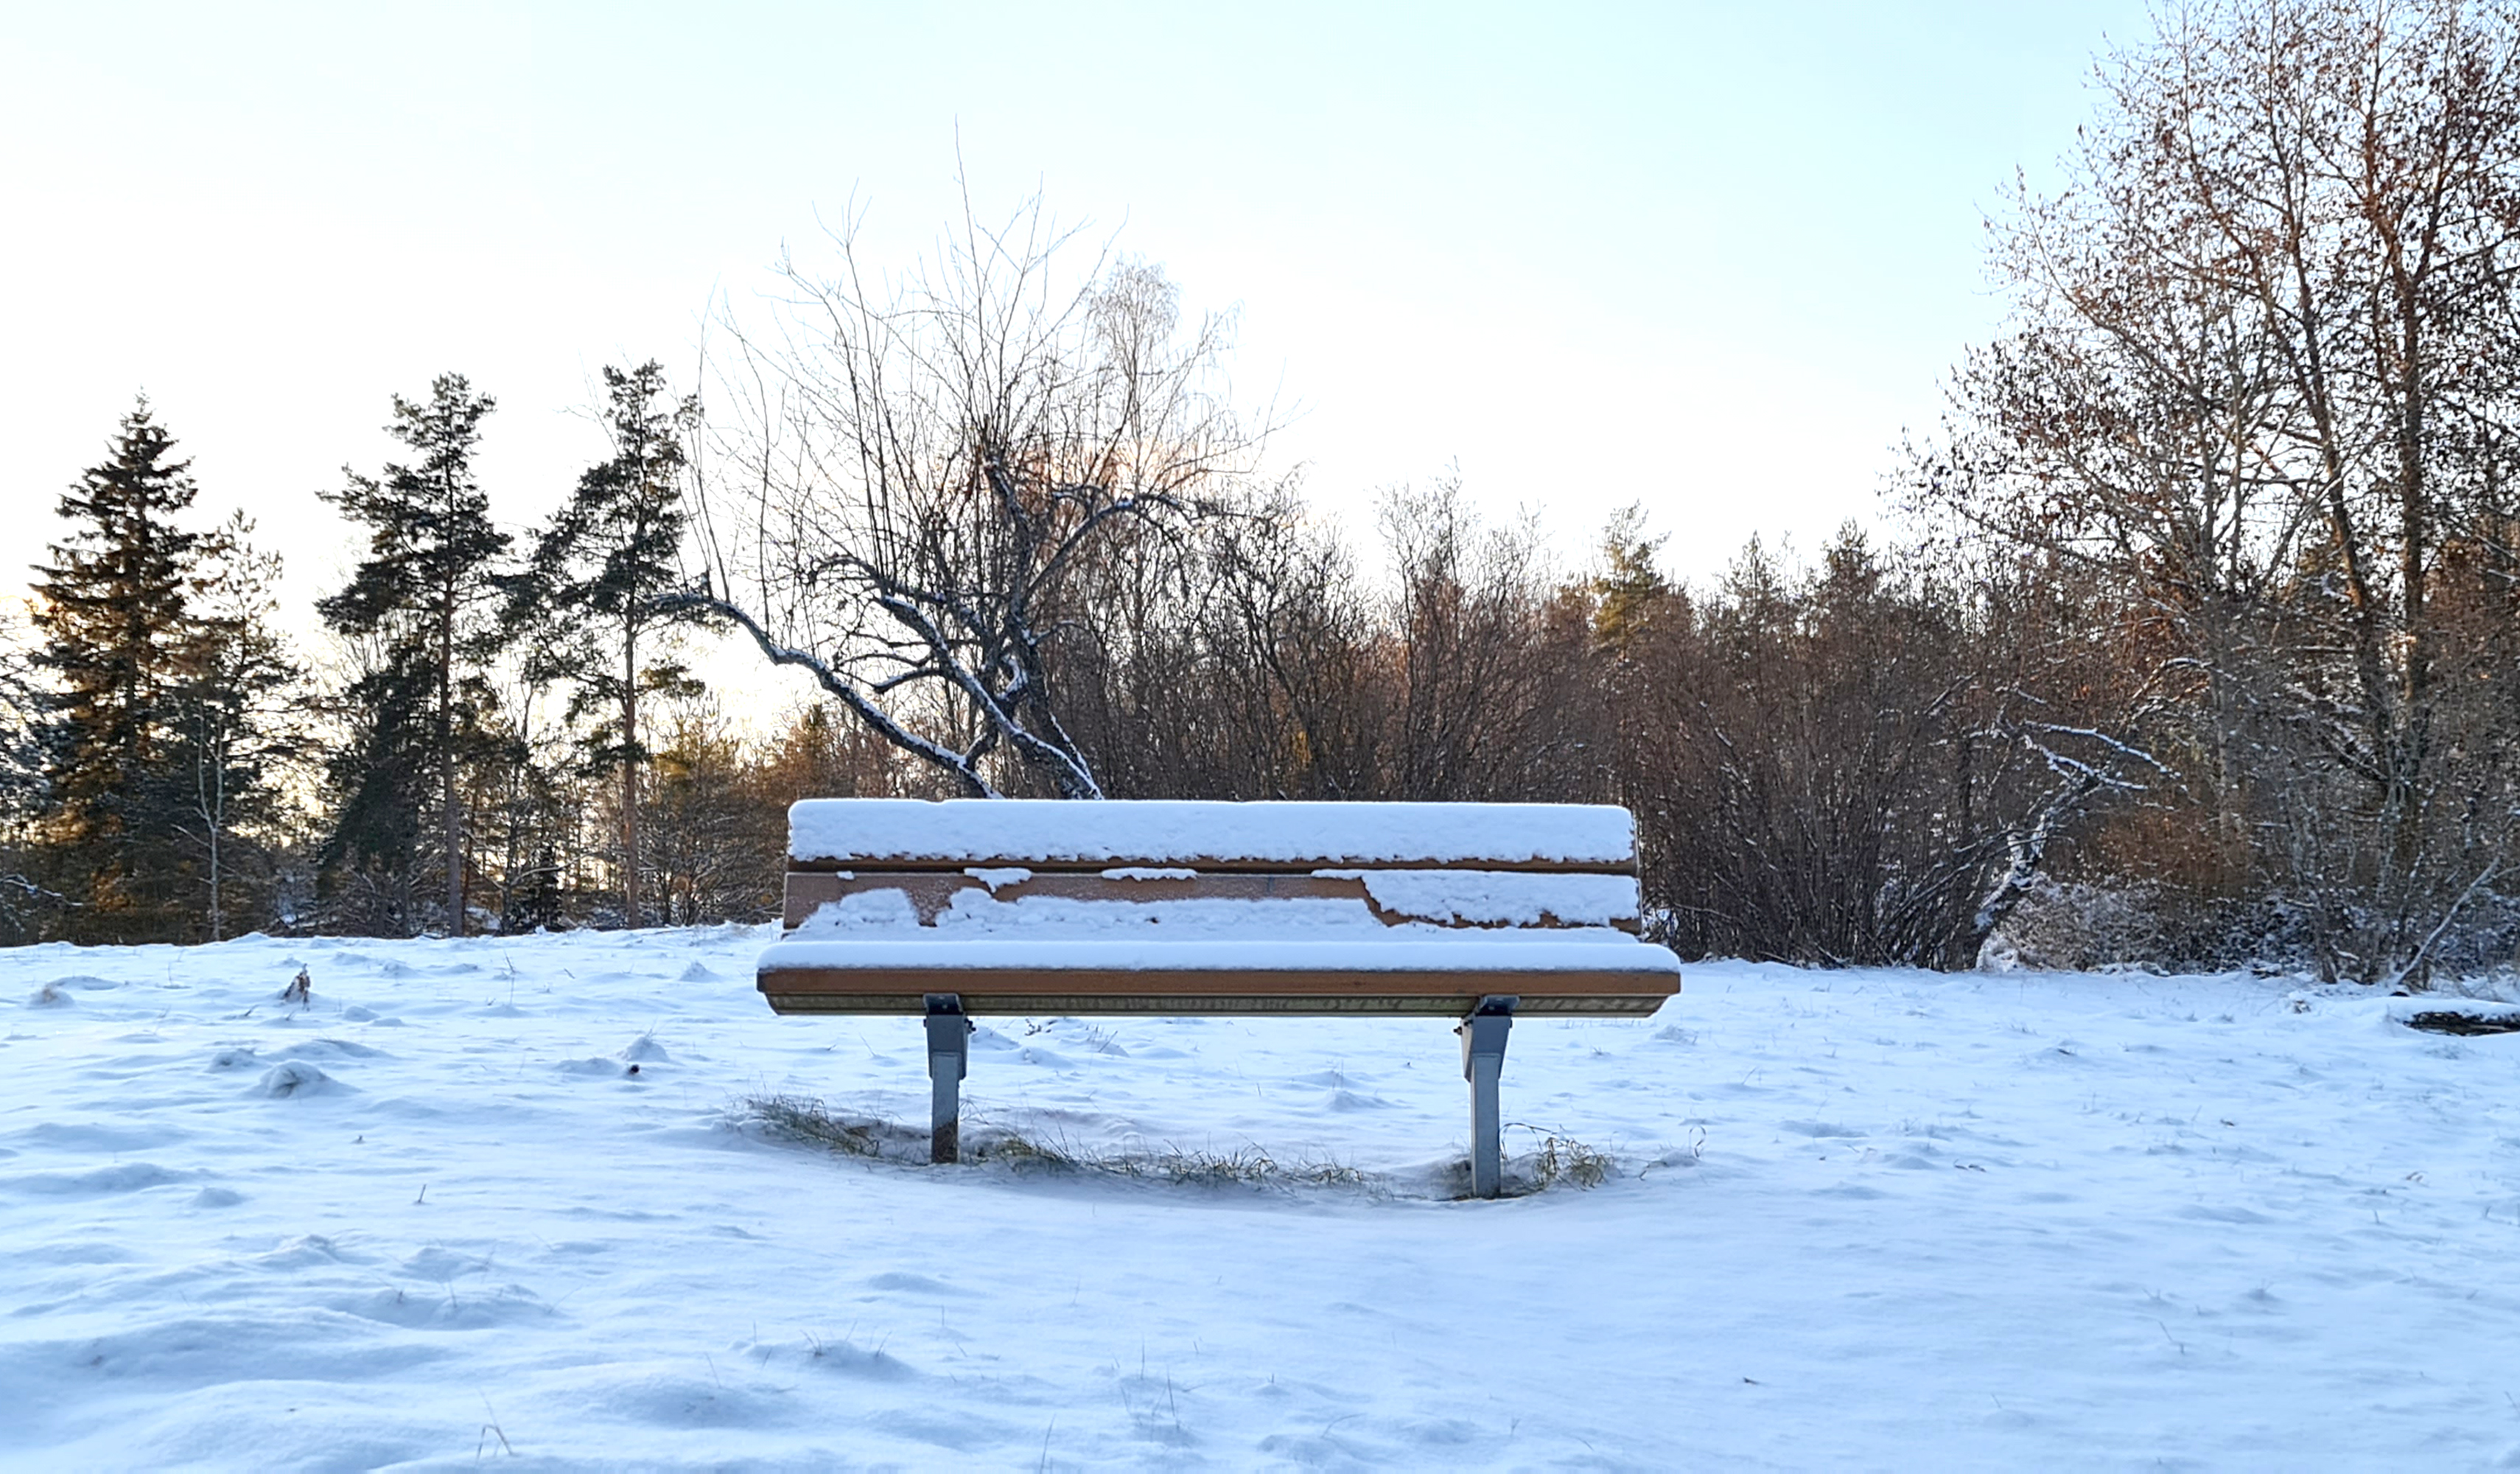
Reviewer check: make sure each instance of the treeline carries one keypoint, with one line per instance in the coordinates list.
(504, 735)
(2193, 644)
(1875, 754)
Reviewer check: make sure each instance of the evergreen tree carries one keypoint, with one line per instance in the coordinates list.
(599, 570)
(111, 610)
(427, 597)
(1629, 584)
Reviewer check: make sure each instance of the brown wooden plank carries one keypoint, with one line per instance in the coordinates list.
(1327, 989)
(1183, 1005)
(931, 892)
(1210, 864)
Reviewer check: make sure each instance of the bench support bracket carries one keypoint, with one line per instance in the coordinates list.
(949, 1059)
(1483, 1036)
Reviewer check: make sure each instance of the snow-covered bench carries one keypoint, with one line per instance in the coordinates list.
(1010, 906)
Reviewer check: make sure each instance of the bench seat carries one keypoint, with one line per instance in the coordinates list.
(1605, 973)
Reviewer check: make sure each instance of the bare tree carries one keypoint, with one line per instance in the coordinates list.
(912, 473)
(2262, 374)
(23, 700)
(235, 732)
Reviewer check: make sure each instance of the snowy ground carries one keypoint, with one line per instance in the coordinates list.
(1859, 1219)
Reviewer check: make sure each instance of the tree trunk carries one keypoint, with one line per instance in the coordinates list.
(451, 819)
(629, 782)
(218, 916)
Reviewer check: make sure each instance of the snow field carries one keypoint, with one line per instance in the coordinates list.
(1859, 1218)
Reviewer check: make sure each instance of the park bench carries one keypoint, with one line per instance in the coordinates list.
(1480, 911)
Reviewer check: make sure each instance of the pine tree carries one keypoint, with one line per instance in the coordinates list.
(426, 594)
(112, 609)
(599, 570)
(1630, 583)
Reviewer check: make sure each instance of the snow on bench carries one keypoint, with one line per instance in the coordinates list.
(1016, 907)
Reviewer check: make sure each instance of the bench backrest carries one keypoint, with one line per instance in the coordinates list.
(1484, 865)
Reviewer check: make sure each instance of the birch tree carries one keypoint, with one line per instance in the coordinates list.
(23, 700)
(911, 470)
(234, 725)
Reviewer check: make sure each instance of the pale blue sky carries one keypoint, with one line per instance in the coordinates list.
(1709, 258)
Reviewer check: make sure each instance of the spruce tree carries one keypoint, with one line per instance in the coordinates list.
(426, 596)
(112, 609)
(599, 570)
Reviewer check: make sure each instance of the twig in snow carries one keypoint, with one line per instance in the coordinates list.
(490, 1430)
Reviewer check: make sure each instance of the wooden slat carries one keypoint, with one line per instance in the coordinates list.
(1192, 1005)
(932, 892)
(1329, 991)
(1210, 864)
(1272, 837)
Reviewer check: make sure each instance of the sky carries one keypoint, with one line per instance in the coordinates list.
(1711, 258)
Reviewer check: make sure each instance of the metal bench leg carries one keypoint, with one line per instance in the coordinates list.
(949, 1059)
(1482, 1062)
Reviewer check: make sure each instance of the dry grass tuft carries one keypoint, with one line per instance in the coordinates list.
(1564, 1159)
(1249, 1165)
(801, 1118)
(1556, 1158)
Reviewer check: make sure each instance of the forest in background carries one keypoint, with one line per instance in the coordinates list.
(2191, 644)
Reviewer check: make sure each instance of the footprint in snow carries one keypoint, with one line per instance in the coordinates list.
(121, 1177)
(306, 1251)
(329, 1049)
(1818, 1129)
(290, 1081)
(915, 1284)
